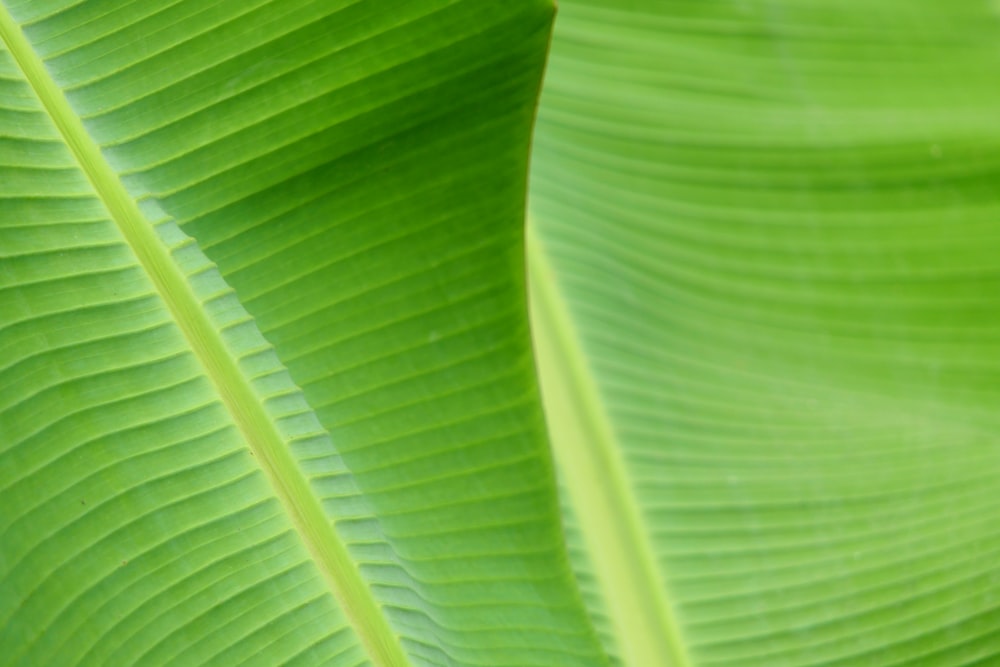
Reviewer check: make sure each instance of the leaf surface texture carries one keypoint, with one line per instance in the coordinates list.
(325, 202)
(767, 238)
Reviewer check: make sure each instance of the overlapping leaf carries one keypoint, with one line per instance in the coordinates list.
(773, 228)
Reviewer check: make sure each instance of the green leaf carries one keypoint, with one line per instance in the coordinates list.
(765, 291)
(266, 390)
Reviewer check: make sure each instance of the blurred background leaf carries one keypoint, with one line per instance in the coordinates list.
(767, 300)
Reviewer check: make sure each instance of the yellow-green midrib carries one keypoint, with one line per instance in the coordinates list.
(633, 591)
(235, 390)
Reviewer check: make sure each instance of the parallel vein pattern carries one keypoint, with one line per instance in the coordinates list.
(136, 528)
(775, 227)
(207, 344)
(597, 488)
(357, 176)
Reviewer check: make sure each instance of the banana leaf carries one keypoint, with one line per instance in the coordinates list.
(765, 242)
(267, 392)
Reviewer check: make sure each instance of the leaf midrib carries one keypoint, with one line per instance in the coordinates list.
(590, 462)
(235, 389)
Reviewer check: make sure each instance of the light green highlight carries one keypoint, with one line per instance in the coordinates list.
(590, 461)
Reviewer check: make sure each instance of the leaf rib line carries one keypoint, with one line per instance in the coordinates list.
(235, 390)
(609, 515)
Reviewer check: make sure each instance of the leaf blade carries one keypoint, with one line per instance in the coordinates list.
(771, 266)
(396, 300)
(248, 412)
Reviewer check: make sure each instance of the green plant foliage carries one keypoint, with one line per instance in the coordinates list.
(267, 394)
(267, 391)
(769, 322)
